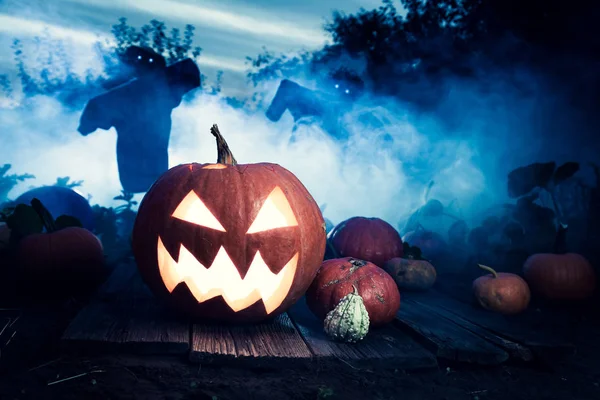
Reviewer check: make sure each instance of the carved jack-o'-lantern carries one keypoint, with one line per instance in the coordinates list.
(227, 241)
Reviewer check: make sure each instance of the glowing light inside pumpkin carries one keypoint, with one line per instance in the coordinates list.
(223, 279)
(192, 209)
(215, 166)
(274, 213)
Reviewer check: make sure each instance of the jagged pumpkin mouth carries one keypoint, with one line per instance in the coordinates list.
(222, 277)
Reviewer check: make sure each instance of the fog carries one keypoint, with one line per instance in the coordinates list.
(492, 132)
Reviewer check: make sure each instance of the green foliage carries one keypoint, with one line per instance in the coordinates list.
(65, 182)
(114, 227)
(127, 197)
(436, 40)
(105, 220)
(23, 221)
(155, 35)
(5, 86)
(267, 65)
(8, 182)
(541, 176)
(45, 67)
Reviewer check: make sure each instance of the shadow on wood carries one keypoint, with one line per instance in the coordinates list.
(447, 339)
(138, 327)
(385, 347)
(125, 317)
(273, 343)
(543, 334)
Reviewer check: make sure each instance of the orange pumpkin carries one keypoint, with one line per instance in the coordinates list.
(61, 263)
(341, 276)
(567, 276)
(501, 292)
(227, 241)
(411, 272)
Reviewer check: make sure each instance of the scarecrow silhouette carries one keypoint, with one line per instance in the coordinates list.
(140, 110)
(337, 94)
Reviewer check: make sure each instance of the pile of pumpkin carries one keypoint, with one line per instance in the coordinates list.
(361, 286)
(44, 258)
(560, 276)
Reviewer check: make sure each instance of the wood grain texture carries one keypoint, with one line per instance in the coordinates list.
(545, 333)
(384, 347)
(124, 316)
(266, 344)
(447, 339)
(515, 350)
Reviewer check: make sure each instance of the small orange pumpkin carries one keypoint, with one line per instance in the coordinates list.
(411, 272)
(560, 275)
(501, 292)
(567, 276)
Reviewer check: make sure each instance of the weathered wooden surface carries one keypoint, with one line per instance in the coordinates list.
(531, 333)
(385, 347)
(513, 349)
(125, 317)
(267, 344)
(447, 339)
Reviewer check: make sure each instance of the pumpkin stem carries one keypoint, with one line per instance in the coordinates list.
(44, 214)
(356, 264)
(224, 155)
(560, 243)
(488, 269)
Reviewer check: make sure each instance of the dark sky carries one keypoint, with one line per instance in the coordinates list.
(228, 31)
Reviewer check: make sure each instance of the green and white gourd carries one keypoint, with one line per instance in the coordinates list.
(349, 320)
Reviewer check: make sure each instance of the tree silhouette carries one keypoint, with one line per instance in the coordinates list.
(46, 68)
(465, 39)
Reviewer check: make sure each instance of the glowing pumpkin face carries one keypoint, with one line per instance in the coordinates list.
(229, 242)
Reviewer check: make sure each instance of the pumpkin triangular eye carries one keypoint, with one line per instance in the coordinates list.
(276, 212)
(192, 210)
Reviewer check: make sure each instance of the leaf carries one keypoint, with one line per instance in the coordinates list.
(565, 171)
(524, 179)
(24, 221)
(66, 221)
(411, 252)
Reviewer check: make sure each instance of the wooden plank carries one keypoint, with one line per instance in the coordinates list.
(97, 327)
(125, 317)
(516, 351)
(153, 329)
(384, 347)
(446, 339)
(138, 327)
(269, 344)
(545, 334)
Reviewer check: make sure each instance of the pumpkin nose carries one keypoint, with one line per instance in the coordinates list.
(236, 247)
